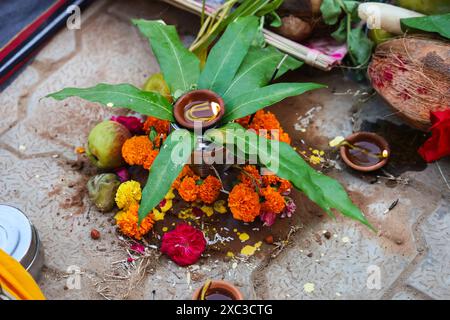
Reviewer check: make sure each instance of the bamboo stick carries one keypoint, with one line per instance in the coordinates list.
(309, 56)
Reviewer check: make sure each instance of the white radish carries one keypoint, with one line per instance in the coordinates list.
(384, 16)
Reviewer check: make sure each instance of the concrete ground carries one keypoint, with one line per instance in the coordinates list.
(41, 174)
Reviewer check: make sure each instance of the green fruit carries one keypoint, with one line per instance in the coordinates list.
(156, 83)
(379, 35)
(102, 190)
(426, 6)
(105, 144)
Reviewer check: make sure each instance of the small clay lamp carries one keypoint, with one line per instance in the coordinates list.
(217, 290)
(365, 151)
(201, 106)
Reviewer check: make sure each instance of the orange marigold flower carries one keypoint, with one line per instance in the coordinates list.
(284, 137)
(138, 150)
(265, 120)
(270, 180)
(274, 201)
(251, 176)
(187, 171)
(149, 160)
(188, 189)
(127, 221)
(209, 190)
(243, 121)
(244, 203)
(285, 186)
(161, 126)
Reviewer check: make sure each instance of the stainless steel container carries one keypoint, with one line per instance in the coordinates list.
(20, 239)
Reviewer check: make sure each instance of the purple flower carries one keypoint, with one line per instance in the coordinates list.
(133, 124)
(289, 209)
(123, 174)
(268, 218)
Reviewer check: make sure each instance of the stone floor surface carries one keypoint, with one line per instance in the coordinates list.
(409, 257)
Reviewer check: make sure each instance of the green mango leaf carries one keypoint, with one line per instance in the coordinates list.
(257, 70)
(173, 155)
(276, 20)
(227, 55)
(180, 67)
(285, 162)
(340, 35)
(122, 96)
(438, 24)
(259, 98)
(359, 46)
(269, 8)
(331, 10)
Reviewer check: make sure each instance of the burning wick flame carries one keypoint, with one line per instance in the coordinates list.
(212, 107)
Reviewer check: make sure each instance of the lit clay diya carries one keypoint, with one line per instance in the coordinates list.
(365, 151)
(200, 106)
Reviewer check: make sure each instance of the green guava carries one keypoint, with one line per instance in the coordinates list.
(156, 83)
(105, 142)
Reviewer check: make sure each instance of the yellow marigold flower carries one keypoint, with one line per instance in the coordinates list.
(315, 159)
(157, 215)
(167, 205)
(127, 194)
(186, 214)
(207, 210)
(170, 195)
(127, 221)
(220, 207)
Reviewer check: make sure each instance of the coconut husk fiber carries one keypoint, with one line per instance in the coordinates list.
(413, 75)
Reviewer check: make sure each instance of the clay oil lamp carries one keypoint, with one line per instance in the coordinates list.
(365, 151)
(203, 107)
(217, 290)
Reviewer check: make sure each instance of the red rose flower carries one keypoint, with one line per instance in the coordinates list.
(438, 145)
(133, 124)
(184, 245)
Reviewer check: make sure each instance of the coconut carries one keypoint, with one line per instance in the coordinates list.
(413, 75)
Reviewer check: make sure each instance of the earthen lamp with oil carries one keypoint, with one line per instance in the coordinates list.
(200, 107)
(363, 151)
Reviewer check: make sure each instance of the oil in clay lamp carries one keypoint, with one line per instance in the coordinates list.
(199, 107)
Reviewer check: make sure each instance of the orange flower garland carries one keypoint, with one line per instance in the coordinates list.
(128, 222)
(244, 203)
(209, 190)
(138, 150)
